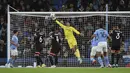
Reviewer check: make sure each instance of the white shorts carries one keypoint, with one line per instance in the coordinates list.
(93, 51)
(102, 47)
(14, 52)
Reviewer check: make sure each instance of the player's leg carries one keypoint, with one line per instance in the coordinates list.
(53, 57)
(14, 54)
(99, 54)
(112, 57)
(100, 59)
(56, 59)
(56, 53)
(77, 54)
(117, 57)
(10, 60)
(106, 59)
(37, 58)
(73, 46)
(51, 60)
(92, 54)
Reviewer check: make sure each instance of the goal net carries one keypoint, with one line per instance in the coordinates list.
(85, 22)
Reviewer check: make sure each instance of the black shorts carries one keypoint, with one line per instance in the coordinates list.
(55, 49)
(39, 48)
(115, 47)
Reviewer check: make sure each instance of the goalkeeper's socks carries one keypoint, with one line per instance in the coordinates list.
(106, 60)
(77, 53)
(80, 60)
(100, 61)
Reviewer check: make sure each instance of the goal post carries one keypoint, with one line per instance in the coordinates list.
(8, 33)
(85, 22)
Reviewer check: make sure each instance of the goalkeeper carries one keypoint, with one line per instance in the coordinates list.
(69, 36)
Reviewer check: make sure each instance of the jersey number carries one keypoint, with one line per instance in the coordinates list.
(118, 36)
(103, 34)
(57, 38)
(40, 39)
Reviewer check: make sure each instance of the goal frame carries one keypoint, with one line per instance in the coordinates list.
(48, 13)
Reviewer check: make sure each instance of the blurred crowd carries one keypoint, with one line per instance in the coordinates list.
(63, 5)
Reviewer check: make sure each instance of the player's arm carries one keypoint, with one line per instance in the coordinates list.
(12, 42)
(77, 32)
(94, 35)
(58, 22)
(111, 33)
(109, 37)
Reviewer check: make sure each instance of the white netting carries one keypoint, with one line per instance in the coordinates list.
(85, 23)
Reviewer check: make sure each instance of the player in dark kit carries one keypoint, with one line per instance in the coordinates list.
(39, 46)
(117, 38)
(55, 47)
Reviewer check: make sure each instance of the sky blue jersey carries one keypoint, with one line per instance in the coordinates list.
(101, 34)
(15, 40)
(94, 42)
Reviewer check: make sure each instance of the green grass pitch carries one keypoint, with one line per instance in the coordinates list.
(64, 70)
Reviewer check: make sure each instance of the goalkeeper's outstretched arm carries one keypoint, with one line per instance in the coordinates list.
(58, 22)
(76, 31)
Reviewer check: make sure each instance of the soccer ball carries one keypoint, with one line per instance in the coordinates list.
(52, 15)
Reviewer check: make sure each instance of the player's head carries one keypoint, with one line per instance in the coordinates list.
(62, 21)
(67, 24)
(15, 32)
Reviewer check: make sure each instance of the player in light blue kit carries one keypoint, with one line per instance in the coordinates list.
(13, 49)
(102, 35)
(94, 43)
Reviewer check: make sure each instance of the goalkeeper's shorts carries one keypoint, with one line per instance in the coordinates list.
(72, 43)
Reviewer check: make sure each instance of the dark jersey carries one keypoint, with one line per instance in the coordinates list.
(55, 42)
(55, 38)
(117, 36)
(38, 39)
